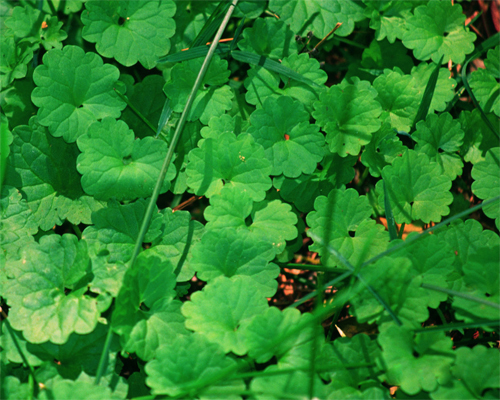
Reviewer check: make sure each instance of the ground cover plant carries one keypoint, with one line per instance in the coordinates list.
(249, 200)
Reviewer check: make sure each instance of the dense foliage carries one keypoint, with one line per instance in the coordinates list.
(295, 149)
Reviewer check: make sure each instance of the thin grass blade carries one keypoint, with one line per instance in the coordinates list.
(391, 223)
(210, 27)
(460, 294)
(348, 265)
(255, 59)
(423, 109)
(195, 52)
(486, 45)
(460, 325)
(237, 34)
(427, 231)
(135, 110)
(166, 112)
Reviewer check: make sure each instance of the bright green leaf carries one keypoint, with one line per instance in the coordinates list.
(440, 137)
(485, 85)
(44, 167)
(218, 310)
(486, 183)
(130, 31)
(228, 252)
(229, 160)
(417, 189)
(74, 90)
(318, 16)
(436, 29)
(114, 165)
(407, 356)
(291, 144)
(262, 83)
(211, 100)
(184, 361)
(342, 220)
(349, 115)
(269, 37)
(37, 289)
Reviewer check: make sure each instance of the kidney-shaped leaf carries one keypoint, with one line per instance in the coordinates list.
(115, 165)
(74, 89)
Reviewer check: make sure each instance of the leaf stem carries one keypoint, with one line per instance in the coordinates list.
(135, 110)
(104, 356)
(460, 294)
(18, 348)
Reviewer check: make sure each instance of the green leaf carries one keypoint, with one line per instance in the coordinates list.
(221, 307)
(388, 18)
(438, 29)
(270, 221)
(213, 97)
(45, 292)
(74, 90)
(382, 150)
(269, 37)
(6, 139)
(484, 83)
(114, 165)
(14, 57)
(384, 55)
(269, 334)
(130, 31)
(180, 233)
(44, 168)
(17, 225)
(296, 384)
(486, 176)
(12, 388)
(16, 102)
(148, 98)
(262, 83)
(398, 97)
(145, 316)
(52, 35)
(417, 189)
(78, 390)
(183, 362)
(25, 23)
(291, 144)
(79, 353)
(406, 355)
(339, 354)
(228, 252)
(478, 138)
(303, 191)
(445, 86)
(318, 16)
(349, 115)
(398, 284)
(226, 123)
(480, 281)
(473, 373)
(342, 220)
(229, 160)
(466, 239)
(111, 241)
(440, 137)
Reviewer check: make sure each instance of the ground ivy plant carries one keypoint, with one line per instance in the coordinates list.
(345, 147)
